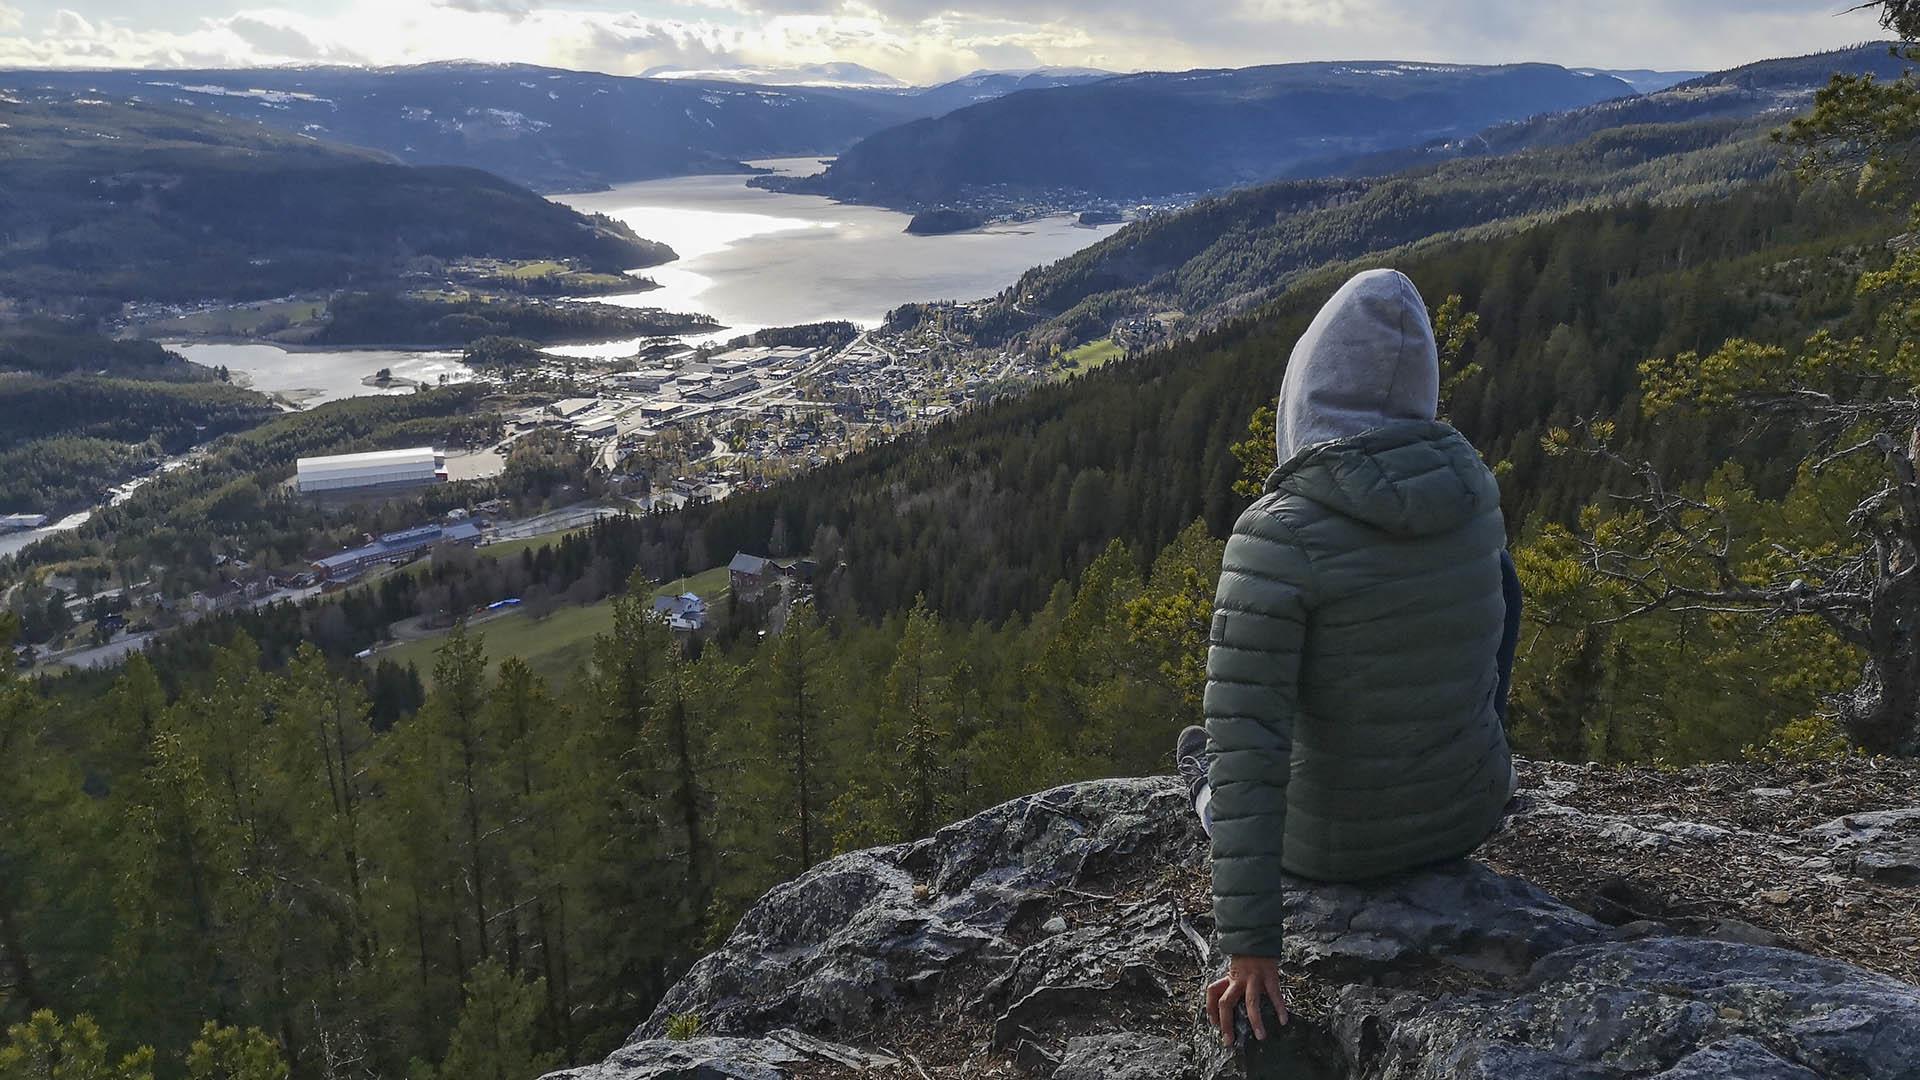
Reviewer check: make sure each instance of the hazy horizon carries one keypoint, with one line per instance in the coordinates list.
(915, 41)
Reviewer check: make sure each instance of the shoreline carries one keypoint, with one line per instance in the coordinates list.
(450, 350)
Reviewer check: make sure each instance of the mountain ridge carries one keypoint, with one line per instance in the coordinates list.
(1163, 133)
(120, 199)
(1228, 253)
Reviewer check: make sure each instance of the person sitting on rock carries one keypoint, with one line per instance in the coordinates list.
(1362, 643)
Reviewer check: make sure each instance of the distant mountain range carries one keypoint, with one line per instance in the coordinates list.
(987, 85)
(556, 130)
(1737, 93)
(1195, 131)
(552, 130)
(1644, 80)
(841, 75)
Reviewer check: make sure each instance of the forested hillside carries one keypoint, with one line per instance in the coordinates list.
(117, 200)
(80, 413)
(1226, 255)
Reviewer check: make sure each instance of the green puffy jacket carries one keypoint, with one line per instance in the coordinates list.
(1352, 676)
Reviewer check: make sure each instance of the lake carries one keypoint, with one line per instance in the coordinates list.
(750, 258)
(754, 259)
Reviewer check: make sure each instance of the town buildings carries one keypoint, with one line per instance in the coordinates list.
(380, 470)
(395, 547)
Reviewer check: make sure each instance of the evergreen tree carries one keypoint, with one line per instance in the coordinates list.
(228, 1053)
(799, 692)
(44, 1048)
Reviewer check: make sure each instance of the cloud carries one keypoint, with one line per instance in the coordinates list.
(70, 39)
(928, 40)
(491, 7)
(268, 37)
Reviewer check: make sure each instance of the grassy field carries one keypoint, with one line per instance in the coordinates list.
(552, 275)
(1087, 357)
(513, 548)
(242, 321)
(557, 645)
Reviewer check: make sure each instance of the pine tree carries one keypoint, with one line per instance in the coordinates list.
(800, 689)
(919, 708)
(44, 1048)
(228, 1053)
(494, 1039)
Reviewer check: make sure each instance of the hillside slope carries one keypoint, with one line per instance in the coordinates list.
(1723, 924)
(1224, 255)
(1163, 133)
(119, 199)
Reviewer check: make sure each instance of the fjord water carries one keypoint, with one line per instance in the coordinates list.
(750, 258)
(754, 258)
(311, 376)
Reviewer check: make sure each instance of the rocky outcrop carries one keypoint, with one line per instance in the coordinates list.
(1067, 935)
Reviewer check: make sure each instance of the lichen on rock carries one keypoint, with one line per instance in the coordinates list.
(1067, 934)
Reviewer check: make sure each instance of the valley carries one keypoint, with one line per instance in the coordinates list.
(484, 533)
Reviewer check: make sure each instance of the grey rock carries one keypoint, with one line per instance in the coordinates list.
(1086, 970)
(1125, 1056)
(1452, 972)
(1738, 1056)
(1633, 1009)
(849, 941)
(1883, 845)
(720, 1058)
(1462, 914)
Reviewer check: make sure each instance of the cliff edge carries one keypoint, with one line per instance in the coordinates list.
(1723, 923)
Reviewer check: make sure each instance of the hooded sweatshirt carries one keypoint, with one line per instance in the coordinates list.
(1368, 359)
(1352, 682)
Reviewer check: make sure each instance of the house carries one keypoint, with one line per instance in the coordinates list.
(228, 596)
(686, 613)
(749, 575)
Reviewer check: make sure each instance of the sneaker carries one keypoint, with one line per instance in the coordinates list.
(1190, 757)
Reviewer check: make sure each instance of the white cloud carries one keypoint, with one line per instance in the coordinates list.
(926, 40)
(494, 7)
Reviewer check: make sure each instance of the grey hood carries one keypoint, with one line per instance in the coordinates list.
(1368, 360)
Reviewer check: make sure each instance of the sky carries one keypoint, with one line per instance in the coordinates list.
(920, 41)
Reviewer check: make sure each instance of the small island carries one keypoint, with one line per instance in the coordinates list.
(1104, 216)
(943, 221)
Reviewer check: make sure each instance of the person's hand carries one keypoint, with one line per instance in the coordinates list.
(1248, 980)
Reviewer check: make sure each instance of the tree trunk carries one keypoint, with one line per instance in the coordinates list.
(1880, 716)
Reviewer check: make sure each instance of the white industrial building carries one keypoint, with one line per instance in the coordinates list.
(380, 469)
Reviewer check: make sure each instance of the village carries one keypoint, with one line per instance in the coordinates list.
(670, 425)
(751, 414)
